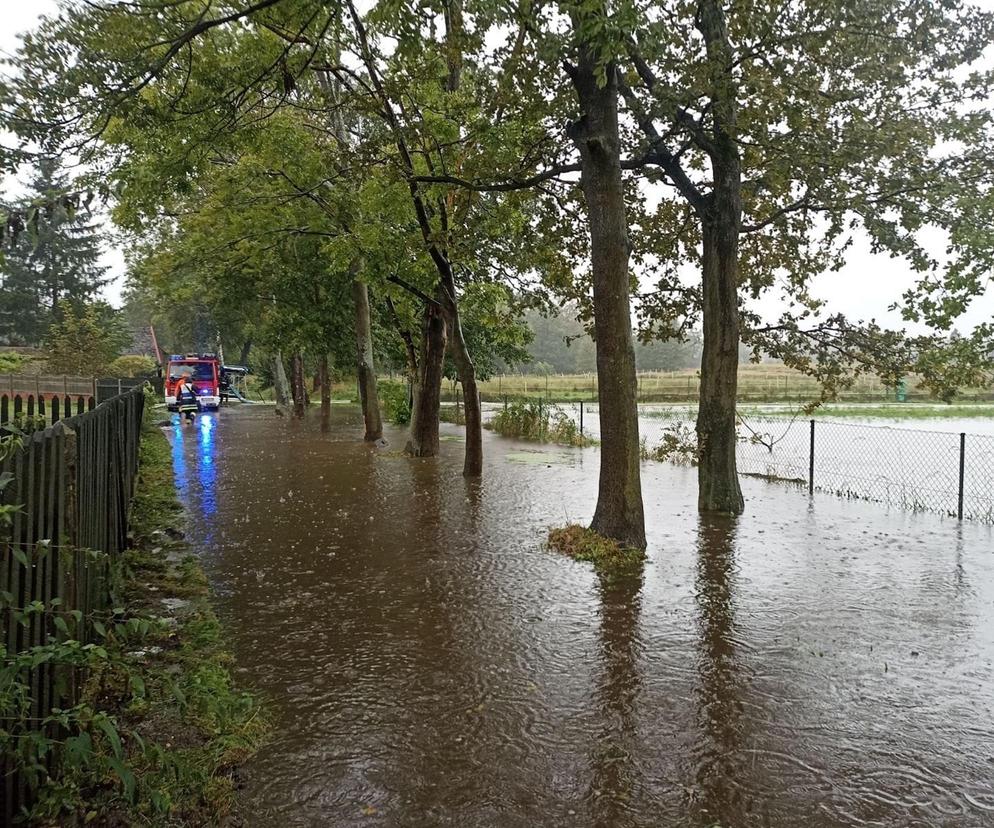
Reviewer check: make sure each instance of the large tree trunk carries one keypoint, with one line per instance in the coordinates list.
(619, 513)
(423, 440)
(281, 386)
(368, 396)
(243, 355)
(466, 370)
(324, 376)
(298, 387)
(718, 480)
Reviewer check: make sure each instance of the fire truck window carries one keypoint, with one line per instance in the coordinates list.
(197, 371)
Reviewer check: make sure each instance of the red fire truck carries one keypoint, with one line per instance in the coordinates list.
(204, 372)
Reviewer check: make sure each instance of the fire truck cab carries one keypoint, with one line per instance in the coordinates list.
(204, 372)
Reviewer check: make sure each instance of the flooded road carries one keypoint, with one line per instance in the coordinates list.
(427, 662)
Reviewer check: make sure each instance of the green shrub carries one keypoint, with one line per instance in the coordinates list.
(394, 402)
(533, 421)
(12, 362)
(28, 423)
(679, 445)
(524, 420)
(132, 366)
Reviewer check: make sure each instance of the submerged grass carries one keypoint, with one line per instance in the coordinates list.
(610, 558)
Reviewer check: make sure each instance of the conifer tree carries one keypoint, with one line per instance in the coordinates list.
(56, 258)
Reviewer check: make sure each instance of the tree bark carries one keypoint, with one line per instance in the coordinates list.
(423, 440)
(324, 377)
(466, 370)
(718, 480)
(368, 396)
(619, 512)
(298, 387)
(281, 387)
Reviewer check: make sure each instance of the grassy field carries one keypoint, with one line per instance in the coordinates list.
(890, 411)
(757, 383)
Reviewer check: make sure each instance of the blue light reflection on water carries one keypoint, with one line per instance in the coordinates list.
(197, 483)
(207, 471)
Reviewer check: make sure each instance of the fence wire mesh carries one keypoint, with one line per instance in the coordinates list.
(949, 473)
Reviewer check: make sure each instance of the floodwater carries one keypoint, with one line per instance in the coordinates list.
(427, 662)
(913, 464)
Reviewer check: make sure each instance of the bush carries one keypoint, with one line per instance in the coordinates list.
(394, 402)
(132, 366)
(28, 423)
(83, 341)
(544, 423)
(12, 362)
(679, 445)
(524, 420)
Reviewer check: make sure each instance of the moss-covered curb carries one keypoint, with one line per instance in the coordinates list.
(610, 558)
(183, 726)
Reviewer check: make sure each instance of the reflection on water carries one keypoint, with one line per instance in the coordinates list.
(427, 662)
(194, 461)
(715, 795)
(616, 780)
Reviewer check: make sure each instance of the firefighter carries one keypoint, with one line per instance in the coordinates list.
(186, 399)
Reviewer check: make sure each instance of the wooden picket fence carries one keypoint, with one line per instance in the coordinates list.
(73, 482)
(55, 398)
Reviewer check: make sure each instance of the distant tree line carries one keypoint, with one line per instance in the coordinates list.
(561, 345)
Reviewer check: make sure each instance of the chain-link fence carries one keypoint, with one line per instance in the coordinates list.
(950, 473)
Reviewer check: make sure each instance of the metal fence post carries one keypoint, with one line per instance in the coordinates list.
(811, 461)
(962, 474)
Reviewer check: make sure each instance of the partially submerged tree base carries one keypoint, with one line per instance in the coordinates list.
(610, 558)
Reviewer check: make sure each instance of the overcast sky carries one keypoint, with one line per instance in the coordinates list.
(862, 290)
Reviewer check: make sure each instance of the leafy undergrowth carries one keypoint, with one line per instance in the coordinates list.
(609, 557)
(160, 729)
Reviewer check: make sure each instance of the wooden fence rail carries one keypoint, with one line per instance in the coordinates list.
(73, 482)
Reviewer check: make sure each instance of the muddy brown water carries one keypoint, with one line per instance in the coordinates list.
(427, 662)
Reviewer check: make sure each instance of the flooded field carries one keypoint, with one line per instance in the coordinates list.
(427, 662)
(911, 463)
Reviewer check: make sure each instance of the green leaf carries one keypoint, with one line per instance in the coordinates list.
(110, 731)
(78, 749)
(126, 776)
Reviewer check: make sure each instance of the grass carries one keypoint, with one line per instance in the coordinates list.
(757, 383)
(165, 686)
(892, 411)
(610, 559)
